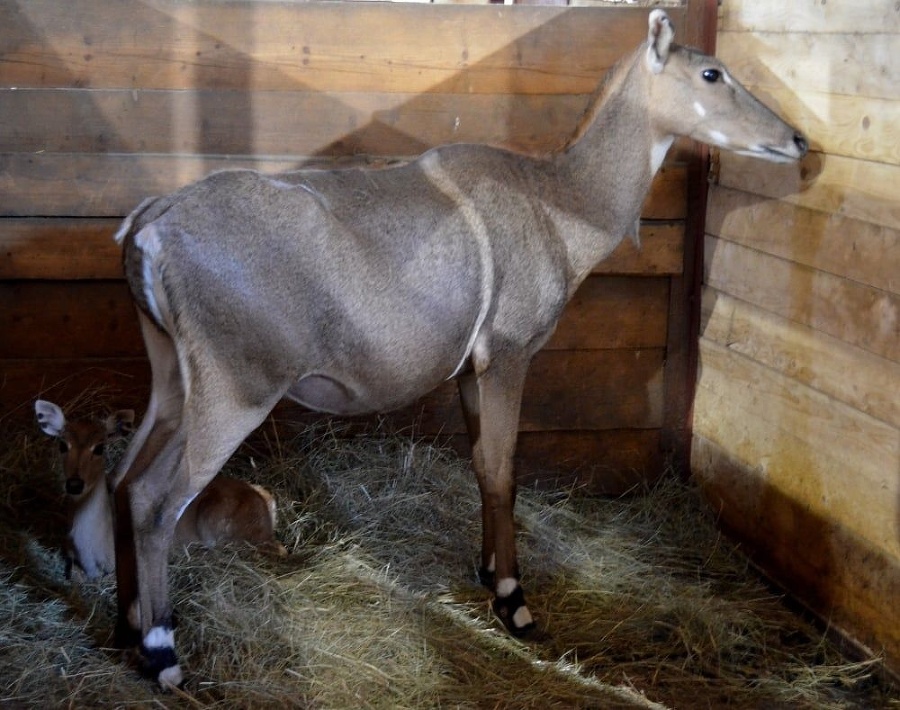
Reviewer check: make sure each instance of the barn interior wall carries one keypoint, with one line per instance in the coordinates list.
(104, 102)
(796, 418)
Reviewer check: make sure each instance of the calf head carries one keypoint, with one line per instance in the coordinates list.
(82, 444)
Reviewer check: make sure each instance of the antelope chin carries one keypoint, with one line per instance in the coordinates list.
(771, 154)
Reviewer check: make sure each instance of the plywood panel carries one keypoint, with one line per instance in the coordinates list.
(96, 318)
(869, 17)
(850, 126)
(845, 373)
(857, 189)
(856, 314)
(610, 312)
(76, 319)
(61, 184)
(277, 46)
(122, 381)
(278, 123)
(841, 576)
(568, 391)
(825, 63)
(83, 248)
(805, 444)
(860, 251)
(59, 248)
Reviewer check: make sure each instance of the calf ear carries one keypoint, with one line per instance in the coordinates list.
(119, 424)
(50, 417)
(659, 40)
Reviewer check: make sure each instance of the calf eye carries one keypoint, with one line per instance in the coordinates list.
(63, 447)
(712, 75)
(98, 450)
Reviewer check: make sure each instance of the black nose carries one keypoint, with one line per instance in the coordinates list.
(800, 142)
(74, 486)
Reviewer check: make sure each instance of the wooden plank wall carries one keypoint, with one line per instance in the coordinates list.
(104, 102)
(797, 421)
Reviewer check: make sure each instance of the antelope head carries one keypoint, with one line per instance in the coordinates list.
(82, 444)
(692, 94)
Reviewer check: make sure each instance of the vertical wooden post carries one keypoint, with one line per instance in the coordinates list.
(699, 31)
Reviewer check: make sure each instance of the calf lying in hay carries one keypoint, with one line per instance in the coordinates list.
(643, 603)
(355, 291)
(227, 510)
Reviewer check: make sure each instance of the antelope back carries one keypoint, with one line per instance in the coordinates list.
(82, 444)
(692, 94)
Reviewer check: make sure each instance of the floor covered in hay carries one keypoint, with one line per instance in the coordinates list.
(641, 603)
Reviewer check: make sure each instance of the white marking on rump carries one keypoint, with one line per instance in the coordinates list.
(443, 182)
(147, 240)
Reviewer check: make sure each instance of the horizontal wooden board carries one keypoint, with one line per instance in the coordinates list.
(612, 463)
(70, 319)
(834, 459)
(836, 573)
(87, 319)
(122, 382)
(565, 391)
(276, 46)
(61, 184)
(83, 248)
(278, 123)
(869, 17)
(858, 189)
(844, 63)
(856, 250)
(845, 373)
(614, 312)
(59, 248)
(849, 311)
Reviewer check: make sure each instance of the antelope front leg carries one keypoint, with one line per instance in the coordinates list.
(499, 397)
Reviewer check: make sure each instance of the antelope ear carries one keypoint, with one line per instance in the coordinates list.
(659, 39)
(50, 417)
(119, 424)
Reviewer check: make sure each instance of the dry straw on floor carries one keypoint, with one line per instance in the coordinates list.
(641, 603)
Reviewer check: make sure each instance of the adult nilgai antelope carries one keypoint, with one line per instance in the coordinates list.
(356, 291)
(228, 509)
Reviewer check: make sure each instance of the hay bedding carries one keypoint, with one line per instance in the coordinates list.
(641, 603)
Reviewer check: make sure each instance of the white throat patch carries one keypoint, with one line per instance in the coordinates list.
(658, 153)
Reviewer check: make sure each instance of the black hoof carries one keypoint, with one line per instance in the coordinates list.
(125, 635)
(514, 614)
(486, 577)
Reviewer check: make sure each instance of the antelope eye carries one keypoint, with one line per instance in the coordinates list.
(712, 75)
(98, 450)
(63, 447)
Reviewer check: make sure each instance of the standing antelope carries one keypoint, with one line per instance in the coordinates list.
(353, 291)
(228, 509)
